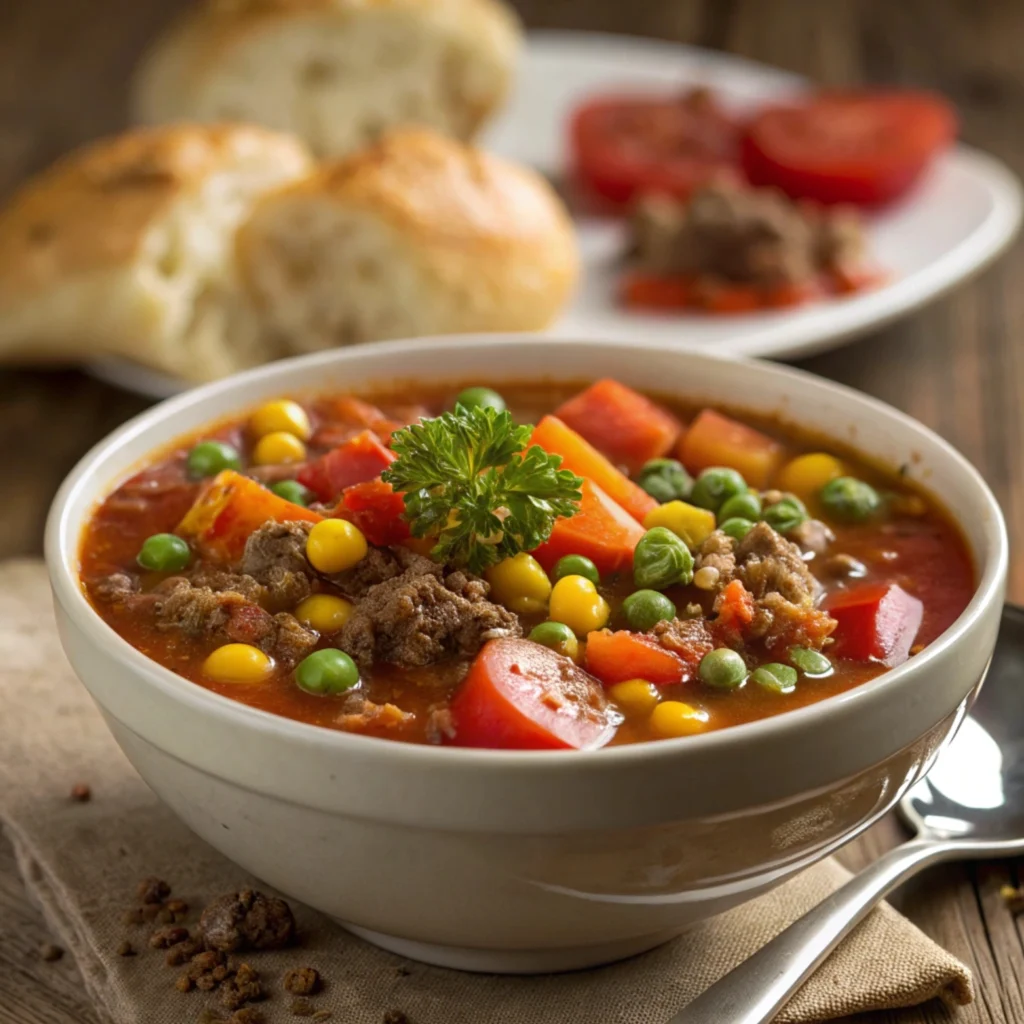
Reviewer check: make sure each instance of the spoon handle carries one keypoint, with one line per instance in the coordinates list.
(758, 988)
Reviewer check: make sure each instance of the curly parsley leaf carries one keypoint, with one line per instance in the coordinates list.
(470, 481)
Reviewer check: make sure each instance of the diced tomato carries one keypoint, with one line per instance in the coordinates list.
(229, 509)
(622, 147)
(865, 147)
(877, 622)
(735, 606)
(616, 657)
(359, 459)
(716, 440)
(585, 460)
(657, 292)
(522, 696)
(346, 416)
(602, 531)
(621, 423)
(378, 510)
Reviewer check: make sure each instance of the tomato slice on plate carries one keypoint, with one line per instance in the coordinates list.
(866, 148)
(624, 146)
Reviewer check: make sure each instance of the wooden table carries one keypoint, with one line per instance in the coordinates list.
(958, 366)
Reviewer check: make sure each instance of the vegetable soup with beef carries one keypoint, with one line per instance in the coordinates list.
(551, 566)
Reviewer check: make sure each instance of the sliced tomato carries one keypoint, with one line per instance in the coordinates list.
(621, 423)
(378, 510)
(866, 148)
(616, 657)
(602, 531)
(522, 696)
(359, 459)
(624, 146)
(657, 292)
(876, 622)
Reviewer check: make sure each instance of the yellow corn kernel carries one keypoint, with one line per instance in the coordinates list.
(674, 718)
(691, 524)
(635, 696)
(278, 449)
(280, 416)
(324, 612)
(334, 545)
(576, 602)
(807, 474)
(238, 663)
(520, 584)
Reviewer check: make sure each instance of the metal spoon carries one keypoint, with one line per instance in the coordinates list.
(971, 805)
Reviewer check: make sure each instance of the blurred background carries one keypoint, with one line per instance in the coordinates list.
(956, 365)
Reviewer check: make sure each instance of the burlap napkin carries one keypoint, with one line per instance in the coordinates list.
(82, 862)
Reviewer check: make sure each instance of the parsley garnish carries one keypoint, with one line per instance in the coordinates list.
(469, 482)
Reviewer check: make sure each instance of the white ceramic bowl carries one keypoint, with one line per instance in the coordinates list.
(531, 861)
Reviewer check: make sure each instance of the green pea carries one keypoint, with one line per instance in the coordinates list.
(722, 669)
(557, 636)
(715, 486)
(644, 609)
(661, 559)
(741, 506)
(786, 514)
(327, 672)
(577, 565)
(665, 480)
(775, 678)
(811, 663)
(164, 552)
(293, 491)
(209, 458)
(736, 527)
(850, 500)
(481, 398)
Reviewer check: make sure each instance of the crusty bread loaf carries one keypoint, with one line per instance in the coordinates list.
(335, 72)
(127, 248)
(417, 235)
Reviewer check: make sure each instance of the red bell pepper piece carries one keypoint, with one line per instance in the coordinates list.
(521, 696)
(621, 423)
(585, 460)
(602, 531)
(377, 509)
(616, 657)
(876, 622)
(359, 459)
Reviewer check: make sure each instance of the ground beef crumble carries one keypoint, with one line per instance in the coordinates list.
(275, 556)
(301, 981)
(247, 920)
(773, 570)
(422, 615)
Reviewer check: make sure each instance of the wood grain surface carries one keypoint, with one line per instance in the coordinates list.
(957, 366)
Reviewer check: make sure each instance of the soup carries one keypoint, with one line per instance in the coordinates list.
(551, 567)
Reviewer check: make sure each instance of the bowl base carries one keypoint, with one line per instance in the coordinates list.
(512, 961)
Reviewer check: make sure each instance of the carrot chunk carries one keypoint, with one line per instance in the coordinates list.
(621, 423)
(876, 622)
(715, 440)
(521, 696)
(584, 459)
(602, 531)
(359, 459)
(616, 657)
(231, 507)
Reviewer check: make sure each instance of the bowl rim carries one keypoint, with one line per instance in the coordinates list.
(62, 562)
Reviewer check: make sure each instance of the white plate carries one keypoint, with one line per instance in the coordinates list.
(965, 212)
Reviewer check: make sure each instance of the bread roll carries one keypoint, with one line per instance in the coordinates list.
(416, 235)
(335, 72)
(127, 248)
